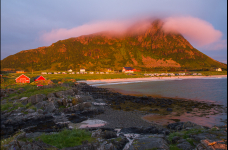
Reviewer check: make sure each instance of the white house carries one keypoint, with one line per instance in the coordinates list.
(70, 70)
(82, 70)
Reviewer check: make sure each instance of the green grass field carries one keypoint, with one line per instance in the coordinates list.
(9, 78)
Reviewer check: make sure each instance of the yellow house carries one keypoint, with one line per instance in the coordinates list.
(218, 69)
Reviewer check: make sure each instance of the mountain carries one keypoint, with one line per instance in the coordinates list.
(151, 48)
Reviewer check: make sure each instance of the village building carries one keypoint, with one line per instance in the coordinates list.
(21, 71)
(128, 70)
(108, 69)
(43, 72)
(22, 79)
(82, 71)
(218, 69)
(70, 70)
(38, 78)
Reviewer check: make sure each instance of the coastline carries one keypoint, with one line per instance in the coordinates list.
(146, 79)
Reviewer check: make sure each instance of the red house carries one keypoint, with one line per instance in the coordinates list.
(128, 70)
(22, 79)
(39, 78)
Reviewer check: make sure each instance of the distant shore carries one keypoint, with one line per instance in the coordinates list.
(133, 80)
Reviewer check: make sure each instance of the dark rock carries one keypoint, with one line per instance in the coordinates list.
(109, 134)
(185, 146)
(149, 142)
(50, 107)
(120, 143)
(169, 109)
(59, 94)
(69, 92)
(40, 111)
(175, 139)
(74, 118)
(50, 95)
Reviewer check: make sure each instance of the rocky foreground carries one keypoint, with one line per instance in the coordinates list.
(122, 127)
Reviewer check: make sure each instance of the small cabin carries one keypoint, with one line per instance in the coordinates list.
(38, 78)
(22, 79)
(218, 69)
(128, 70)
(21, 71)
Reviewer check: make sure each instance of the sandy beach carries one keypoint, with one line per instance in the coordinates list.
(146, 79)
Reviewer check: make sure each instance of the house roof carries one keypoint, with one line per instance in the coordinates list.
(38, 77)
(128, 68)
(23, 75)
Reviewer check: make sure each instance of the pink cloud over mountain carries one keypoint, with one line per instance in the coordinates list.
(198, 32)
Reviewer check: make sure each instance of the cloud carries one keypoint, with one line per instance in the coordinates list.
(196, 30)
(59, 34)
(219, 45)
(199, 32)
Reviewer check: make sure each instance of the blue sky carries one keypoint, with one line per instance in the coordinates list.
(27, 24)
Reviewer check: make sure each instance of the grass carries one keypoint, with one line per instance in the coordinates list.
(33, 90)
(184, 133)
(67, 138)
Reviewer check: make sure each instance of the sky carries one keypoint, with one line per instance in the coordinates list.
(27, 24)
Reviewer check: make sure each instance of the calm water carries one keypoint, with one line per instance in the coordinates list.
(211, 90)
(208, 90)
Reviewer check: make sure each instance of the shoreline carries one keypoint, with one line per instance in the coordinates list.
(101, 82)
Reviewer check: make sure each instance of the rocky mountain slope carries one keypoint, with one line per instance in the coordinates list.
(149, 49)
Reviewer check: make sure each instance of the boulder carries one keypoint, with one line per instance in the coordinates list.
(175, 139)
(109, 134)
(50, 107)
(36, 98)
(40, 111)
(40, 97)
(69, 92)
(59, 94)
(50, 95)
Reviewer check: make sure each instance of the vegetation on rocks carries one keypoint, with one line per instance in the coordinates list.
(67, 138)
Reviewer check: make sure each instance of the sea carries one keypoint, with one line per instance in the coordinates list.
(201, 89)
